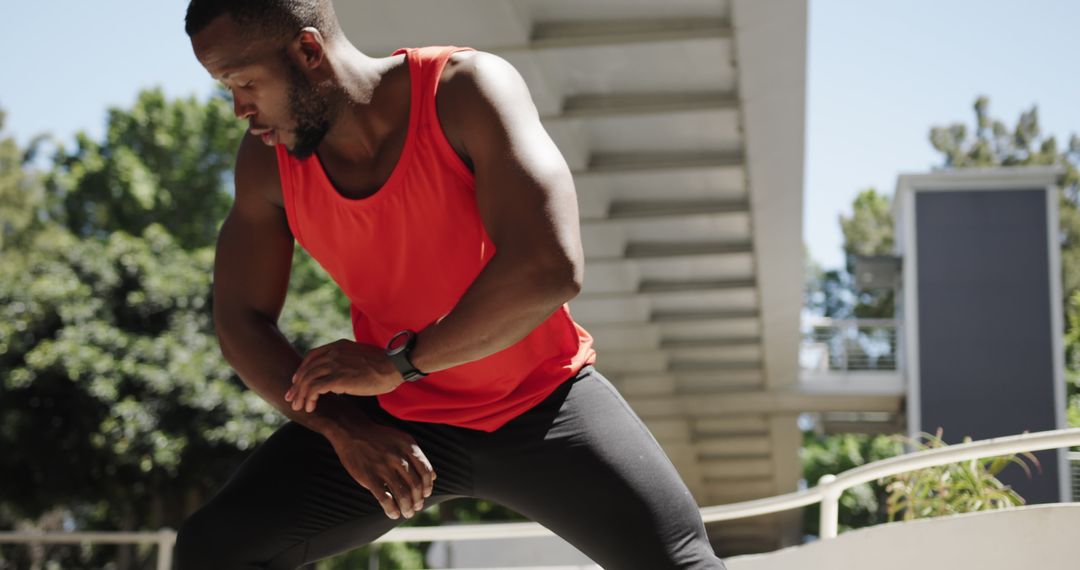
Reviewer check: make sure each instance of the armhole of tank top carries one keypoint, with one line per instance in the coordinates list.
(285, 178)
(433, 125)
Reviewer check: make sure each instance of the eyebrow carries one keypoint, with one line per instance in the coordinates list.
(231, 68)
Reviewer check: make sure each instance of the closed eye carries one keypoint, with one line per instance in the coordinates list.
(244, 86)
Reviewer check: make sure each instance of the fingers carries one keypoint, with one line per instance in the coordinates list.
(422, 467)
(403, 494)
(312, 358)
(386, 501)
(411, 482)
(305, 390)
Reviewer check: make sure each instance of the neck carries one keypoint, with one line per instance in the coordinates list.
(357, 129)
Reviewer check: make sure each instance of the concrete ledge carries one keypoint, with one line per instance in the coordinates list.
(1037, 536)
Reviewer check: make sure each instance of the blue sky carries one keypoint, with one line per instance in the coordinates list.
(880, 74)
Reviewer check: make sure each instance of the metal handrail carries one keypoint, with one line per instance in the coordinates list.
(828, 492)
(164, 538)
(849, 345)
(831, 322)
(830, 487)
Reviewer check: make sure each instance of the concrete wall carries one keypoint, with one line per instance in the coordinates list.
(1041, 537)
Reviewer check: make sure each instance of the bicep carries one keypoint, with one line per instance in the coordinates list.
(254, 248)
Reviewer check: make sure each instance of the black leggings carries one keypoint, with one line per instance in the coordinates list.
(581, 463)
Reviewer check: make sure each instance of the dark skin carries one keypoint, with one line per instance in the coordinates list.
(525, 196)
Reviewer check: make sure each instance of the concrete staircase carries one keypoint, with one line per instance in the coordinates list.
(683, 123)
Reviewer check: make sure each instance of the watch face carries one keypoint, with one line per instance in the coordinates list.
(399, 342)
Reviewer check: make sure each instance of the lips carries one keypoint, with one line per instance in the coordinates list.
(267, 135)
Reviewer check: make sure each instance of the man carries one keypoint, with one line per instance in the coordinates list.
(427, 187)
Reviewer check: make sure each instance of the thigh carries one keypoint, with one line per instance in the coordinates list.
(292, 502)
(585, 466)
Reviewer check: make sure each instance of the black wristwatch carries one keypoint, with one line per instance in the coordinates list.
(398, 349)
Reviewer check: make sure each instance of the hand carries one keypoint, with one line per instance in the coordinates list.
(342, 367)
(387, 462)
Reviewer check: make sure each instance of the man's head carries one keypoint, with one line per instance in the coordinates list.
(271, 54)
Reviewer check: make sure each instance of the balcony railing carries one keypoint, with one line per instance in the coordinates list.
(848, 345)
(827, 492)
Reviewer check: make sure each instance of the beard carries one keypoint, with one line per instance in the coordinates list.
(310, 110)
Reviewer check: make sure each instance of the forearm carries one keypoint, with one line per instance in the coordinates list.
(506, 301)
(265, 360)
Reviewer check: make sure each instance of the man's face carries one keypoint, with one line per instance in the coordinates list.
(269, 89)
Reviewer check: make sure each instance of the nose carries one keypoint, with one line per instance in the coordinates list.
(242, 109)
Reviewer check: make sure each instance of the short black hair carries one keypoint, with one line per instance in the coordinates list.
(274, 18)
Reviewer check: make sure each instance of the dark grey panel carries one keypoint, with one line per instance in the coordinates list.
(985, 345)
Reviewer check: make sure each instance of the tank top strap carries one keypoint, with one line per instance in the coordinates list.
(426, 65)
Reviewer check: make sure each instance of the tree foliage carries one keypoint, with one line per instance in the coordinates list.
(115, 401)
(21, 192)
(953, 488)
(860, 506)
(164, 162)
(869, 229)
(990, 143)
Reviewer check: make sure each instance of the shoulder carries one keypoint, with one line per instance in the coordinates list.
(257, 171)
(471, 74)
(481, 97)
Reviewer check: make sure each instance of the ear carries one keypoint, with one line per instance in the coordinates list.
(308, 50)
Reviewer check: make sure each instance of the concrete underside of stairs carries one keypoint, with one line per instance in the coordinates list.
(683, 122)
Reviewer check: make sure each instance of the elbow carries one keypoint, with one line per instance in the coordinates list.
(221, 330)
(228, 325)
(561, 282)
(572, 285)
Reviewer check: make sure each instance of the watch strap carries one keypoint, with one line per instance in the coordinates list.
(399, 355)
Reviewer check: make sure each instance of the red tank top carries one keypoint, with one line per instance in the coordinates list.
(405, 255)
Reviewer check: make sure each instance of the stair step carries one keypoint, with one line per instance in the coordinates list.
(640, 161)
(627, 209)
(680, 285)
(642, 249)
(589, 104)
(579, 33)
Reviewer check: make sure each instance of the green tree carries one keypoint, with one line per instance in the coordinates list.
(162, 161)
(826, 292)
(991, 143)
(115, 402)
(869, 229)
(869, 232)
(21, 191)
(860, 506)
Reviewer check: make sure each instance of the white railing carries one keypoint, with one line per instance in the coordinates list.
(165, 539)
(827, 492)
(830, 487)
(848, 345)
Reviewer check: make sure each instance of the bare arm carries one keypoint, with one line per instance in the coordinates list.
(251, 276)
(526, 197)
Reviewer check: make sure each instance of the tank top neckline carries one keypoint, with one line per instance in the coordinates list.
(415, 107)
